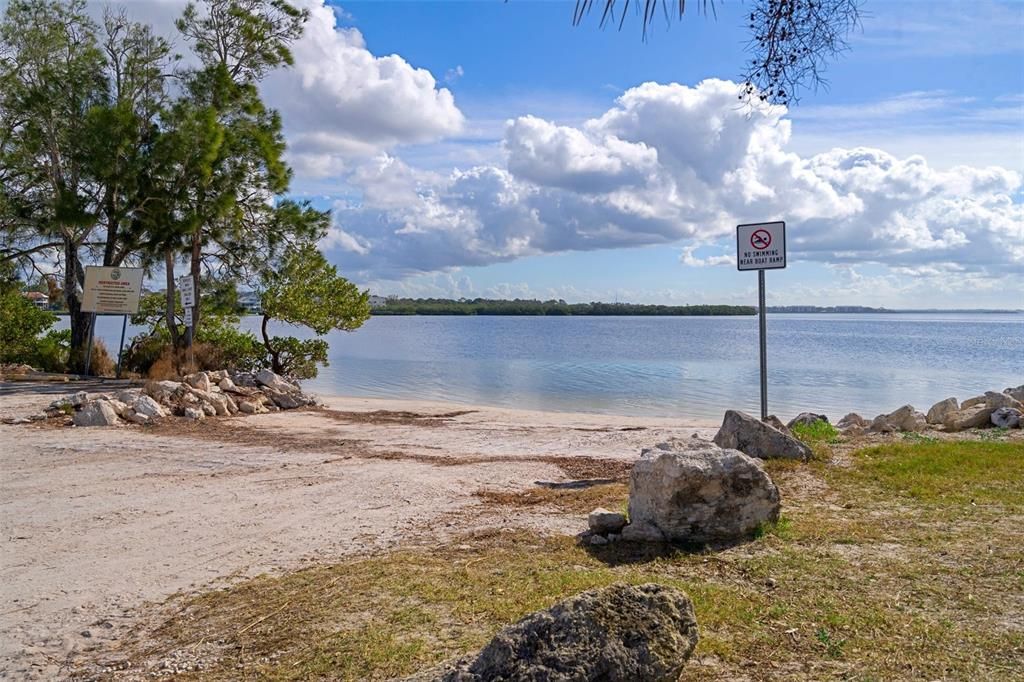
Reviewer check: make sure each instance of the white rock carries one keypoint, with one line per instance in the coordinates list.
(247, 407)
(695, 491)
(136, 417)
(937, 412)
(162, 391)
(79, 399)
(199, 380)
(267, 378)
(226, 384)
(209, 410)
(97, 413)
(194, 414)
(148, 407)
(973, 417)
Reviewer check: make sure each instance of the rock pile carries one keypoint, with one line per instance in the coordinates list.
(621, 633)
(200, 395)
(1005, 410)
(691, 491)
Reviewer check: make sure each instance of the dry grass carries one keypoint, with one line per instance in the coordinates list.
(569, 500)
(865, 577)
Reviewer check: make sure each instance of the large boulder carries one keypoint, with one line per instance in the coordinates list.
(852, 424)
(267, 378)
(757, 439)
(621, 633)
(806, 419)
(996, 400)
(905, 418)
(937, 413)
(1007, 418)
(285, 400)
(1016, 393)
(97, 413)
(974, 417)
(973, 402)
(696, 492)
(776, 423)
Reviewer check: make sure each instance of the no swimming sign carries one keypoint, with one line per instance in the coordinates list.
(761, 246)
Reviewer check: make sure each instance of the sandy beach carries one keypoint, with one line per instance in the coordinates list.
(98, 522)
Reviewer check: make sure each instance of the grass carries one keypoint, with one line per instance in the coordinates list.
(905, 565)
(816, 432)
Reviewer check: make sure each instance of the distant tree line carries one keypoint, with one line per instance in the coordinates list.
(484, 306)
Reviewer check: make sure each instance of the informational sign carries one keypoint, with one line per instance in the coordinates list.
(188, 316)
(761, 246)
(112, 291)
(188, 291)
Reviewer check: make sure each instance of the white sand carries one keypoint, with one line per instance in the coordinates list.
(96, 522)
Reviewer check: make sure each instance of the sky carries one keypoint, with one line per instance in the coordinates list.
(487, 148)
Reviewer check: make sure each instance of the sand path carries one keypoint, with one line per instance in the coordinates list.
(96, 522)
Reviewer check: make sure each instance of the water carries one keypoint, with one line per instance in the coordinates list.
(672, 366)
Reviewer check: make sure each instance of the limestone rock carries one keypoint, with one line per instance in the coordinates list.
(247, 407)
(96, 413)
(1016, 393)
(200, 380)
(937, 413)
(972, 402)
(119, 407)
(148, 407)
(286, 401)
(129, 395)
(752, 437)
(267, 378)
(603, 521)
(974, 417)
(227, 385)
(621, 633)
(905, 418)
(806, 419)
(694, 491)
(996, 400)
(80, 399)
(1007, 417)
(194, 414)
(136, 417)
(162, 391)
(208, 409)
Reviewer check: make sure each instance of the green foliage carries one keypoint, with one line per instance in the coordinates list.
(235, 349)
(307, 290)
(483, 306)
(298, 357)
(21, 324)
(819, 431)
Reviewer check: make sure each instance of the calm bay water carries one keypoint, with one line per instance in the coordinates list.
(672, 366)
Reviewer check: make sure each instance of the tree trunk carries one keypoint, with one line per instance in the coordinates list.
(275, 361)
(81, 322)
(172, 323)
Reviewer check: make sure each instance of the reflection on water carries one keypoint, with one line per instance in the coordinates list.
(682, 366)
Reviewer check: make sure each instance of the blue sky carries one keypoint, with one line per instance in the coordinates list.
(485, 148)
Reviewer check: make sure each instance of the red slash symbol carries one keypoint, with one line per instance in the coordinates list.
(761, 239)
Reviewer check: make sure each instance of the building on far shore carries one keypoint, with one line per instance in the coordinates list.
(41, 300)
(250, 300)
(378, 301)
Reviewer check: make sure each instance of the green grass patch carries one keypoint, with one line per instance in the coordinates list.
(946, 472)
(819, 431)
(880, 570)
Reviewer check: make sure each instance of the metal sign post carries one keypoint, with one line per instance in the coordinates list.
(761, 246)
